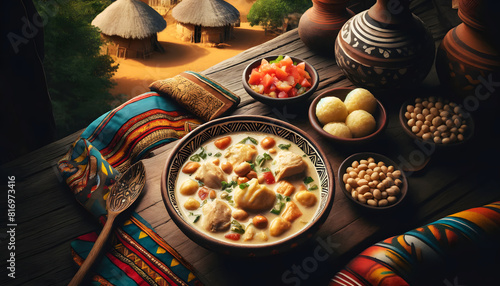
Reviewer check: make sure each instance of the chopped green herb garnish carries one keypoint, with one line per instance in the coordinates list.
(280, 203)
(266, 170)
(228, 186)
(298, 86)
(218, 154)
(237, 227)
(308, 180)
(277, 60)
(261, 159)
(203, 203)
(196, 216)
(200, 183)
(251, 139)
(284, 146)
(313, 187)
(199, 156)
(244, 185)
(304, 155)
(209, 154)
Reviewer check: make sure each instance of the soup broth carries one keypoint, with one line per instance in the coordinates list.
(248, 188)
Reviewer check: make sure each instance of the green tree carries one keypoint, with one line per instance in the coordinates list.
(271, 13)
(78, 76)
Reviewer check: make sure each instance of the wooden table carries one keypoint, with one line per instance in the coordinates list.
(48, 217)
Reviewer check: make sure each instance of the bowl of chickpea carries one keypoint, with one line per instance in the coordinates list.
(372, 181)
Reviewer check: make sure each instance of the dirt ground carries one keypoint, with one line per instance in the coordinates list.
(134, 75)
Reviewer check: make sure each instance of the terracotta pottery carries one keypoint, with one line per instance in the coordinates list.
(468, 58)
(385, 47)
(320, 25)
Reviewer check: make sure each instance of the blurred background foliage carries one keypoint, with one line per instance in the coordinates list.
(272, 13)
(78, 76)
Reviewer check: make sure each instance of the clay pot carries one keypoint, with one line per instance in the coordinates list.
(468, 58)
(385, 47)
(320, 25)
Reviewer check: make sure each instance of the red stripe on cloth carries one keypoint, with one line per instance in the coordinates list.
(114, 111)
(154, 236)
(160, 268)
(131, 273)
(134, 139)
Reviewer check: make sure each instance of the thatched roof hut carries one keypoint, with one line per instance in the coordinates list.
(205, 21)
(130, 26)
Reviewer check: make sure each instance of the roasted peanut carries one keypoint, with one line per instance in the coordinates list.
(223, 142)
(267, 143)
(227, 167)
(190, 167)
(242, 169)
(191, 204)
(239, 214)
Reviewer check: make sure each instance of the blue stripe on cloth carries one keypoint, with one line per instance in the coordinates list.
(128, 111)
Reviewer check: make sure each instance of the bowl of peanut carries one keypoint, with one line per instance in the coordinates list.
(372, 181)
(436, 121)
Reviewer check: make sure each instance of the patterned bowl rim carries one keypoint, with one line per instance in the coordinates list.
(252, 123)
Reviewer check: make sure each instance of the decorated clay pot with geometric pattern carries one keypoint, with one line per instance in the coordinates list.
(385, 47)
(320, 25)
(468, 58)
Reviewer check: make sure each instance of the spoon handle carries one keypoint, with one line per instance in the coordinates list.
(94, 252)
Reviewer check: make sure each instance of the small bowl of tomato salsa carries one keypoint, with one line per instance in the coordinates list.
(280, 80)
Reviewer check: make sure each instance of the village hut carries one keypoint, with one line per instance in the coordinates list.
(205, 21)
(129, 28)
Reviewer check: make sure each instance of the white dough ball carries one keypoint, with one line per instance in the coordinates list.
(361, 123)
(330, 109)
(338, 129)
(360, 98)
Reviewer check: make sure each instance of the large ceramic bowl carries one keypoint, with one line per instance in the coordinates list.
(341, 92)
(280, 101)
(192, 142)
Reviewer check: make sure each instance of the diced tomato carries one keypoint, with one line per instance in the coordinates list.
(305, 83)
(269, 177)
(203, 193)
(282, 94)
(284, 86)
(267, 80)
(233, 236)
(286, 61)
(301, 66)
(295, 74)
(281, 73)
(255, 77)
(293, 92)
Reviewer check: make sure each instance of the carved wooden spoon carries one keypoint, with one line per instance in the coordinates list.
(123, 193)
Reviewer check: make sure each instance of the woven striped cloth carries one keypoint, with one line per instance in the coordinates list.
(424, 255)
(107, 147)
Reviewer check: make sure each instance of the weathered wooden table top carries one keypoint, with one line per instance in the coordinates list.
(49, 218)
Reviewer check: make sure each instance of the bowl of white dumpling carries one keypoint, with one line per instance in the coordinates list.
(348, 115)
(248, 185)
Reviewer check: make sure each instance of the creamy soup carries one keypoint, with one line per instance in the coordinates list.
(248, 188)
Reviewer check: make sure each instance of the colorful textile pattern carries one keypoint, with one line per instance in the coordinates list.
(107, 147)
(88, 175)
(202, 96)
(125, 263)
(426, 252)
(129, 132)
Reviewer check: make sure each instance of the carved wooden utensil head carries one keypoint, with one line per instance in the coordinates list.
(127, 188)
